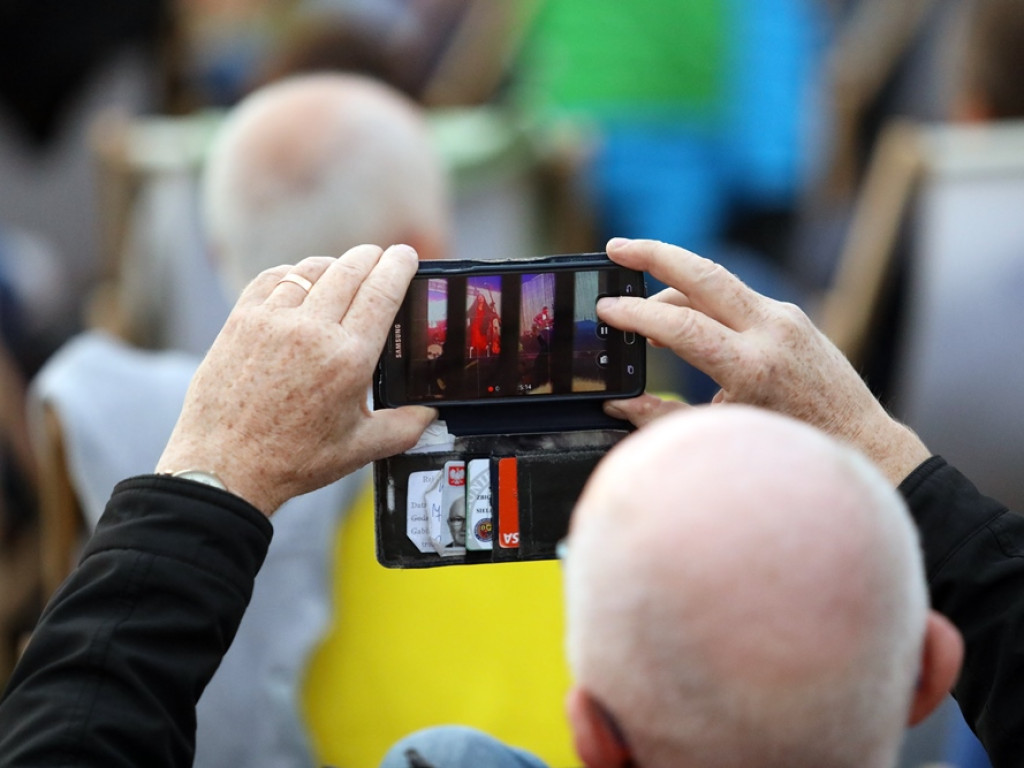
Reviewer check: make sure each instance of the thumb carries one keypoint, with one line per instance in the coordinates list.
(641, 410)
(398, 429)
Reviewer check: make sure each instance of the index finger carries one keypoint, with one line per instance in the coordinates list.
(380, 295)
(709, 287)
(702, 341)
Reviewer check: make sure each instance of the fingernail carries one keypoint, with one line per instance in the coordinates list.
(616, 242)
(606, 302)
(611, 407)
(402, 248)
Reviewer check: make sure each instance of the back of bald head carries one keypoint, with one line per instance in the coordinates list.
(315, 164)
(742, 590)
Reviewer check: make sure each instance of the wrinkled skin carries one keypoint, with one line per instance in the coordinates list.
(278, 407)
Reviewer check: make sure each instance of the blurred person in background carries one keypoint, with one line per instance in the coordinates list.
(113, 672)
(60, 66)
(704, 120)
(309, 165)
(306, 166)
(20, 594)
(699, 109)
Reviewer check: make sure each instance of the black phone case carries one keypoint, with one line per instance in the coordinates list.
(550, 467)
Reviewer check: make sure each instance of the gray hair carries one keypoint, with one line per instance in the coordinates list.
(315, 164)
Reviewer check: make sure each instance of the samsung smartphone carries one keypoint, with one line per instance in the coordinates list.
(520, 330)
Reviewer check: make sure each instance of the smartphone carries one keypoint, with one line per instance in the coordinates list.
(520, 330)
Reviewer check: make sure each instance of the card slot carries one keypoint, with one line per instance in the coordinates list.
(549, 486)
(534, 482)
(402, 528)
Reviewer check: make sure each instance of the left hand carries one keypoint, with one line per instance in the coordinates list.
(760, 351)
(278, 407)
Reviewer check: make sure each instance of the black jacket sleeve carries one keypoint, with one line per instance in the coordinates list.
(126, 646)
(974, 557)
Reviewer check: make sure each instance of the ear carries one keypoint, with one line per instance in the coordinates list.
(597, 740)
(427, 246)
(941, 657)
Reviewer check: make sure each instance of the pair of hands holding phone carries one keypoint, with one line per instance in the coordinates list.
(279, 406)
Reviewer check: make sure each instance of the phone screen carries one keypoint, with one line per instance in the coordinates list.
(512, 334)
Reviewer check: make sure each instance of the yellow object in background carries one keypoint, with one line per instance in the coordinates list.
(478, 645)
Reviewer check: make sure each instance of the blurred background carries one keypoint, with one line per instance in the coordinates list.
(844, 155)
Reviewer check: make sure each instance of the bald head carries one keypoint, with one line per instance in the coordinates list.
(316, 164)
(743, 590)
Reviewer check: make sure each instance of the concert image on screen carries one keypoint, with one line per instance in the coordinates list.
(481, 374)
(428, 337)
(457, 346)
(437, 317)
(536, 330)
(483, 316)
(590, 354)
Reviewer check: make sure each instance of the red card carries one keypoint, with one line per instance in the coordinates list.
(508, 503)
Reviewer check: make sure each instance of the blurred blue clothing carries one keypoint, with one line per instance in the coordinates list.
(964, 750)
(454, 746)
(703, 109)
(661, 182)
(772, 120)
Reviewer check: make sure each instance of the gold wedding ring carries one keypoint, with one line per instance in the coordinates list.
(299, 280)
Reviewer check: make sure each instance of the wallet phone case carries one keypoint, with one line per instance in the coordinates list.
(480, 497)
(517, 362)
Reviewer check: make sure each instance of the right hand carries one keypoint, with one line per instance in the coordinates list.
(760, 351)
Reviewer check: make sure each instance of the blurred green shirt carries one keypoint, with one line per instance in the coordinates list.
(649, 58)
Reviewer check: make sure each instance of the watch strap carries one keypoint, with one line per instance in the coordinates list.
(199, 476)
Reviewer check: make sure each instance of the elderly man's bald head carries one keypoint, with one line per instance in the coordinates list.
(743, 590)
(315, 164)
